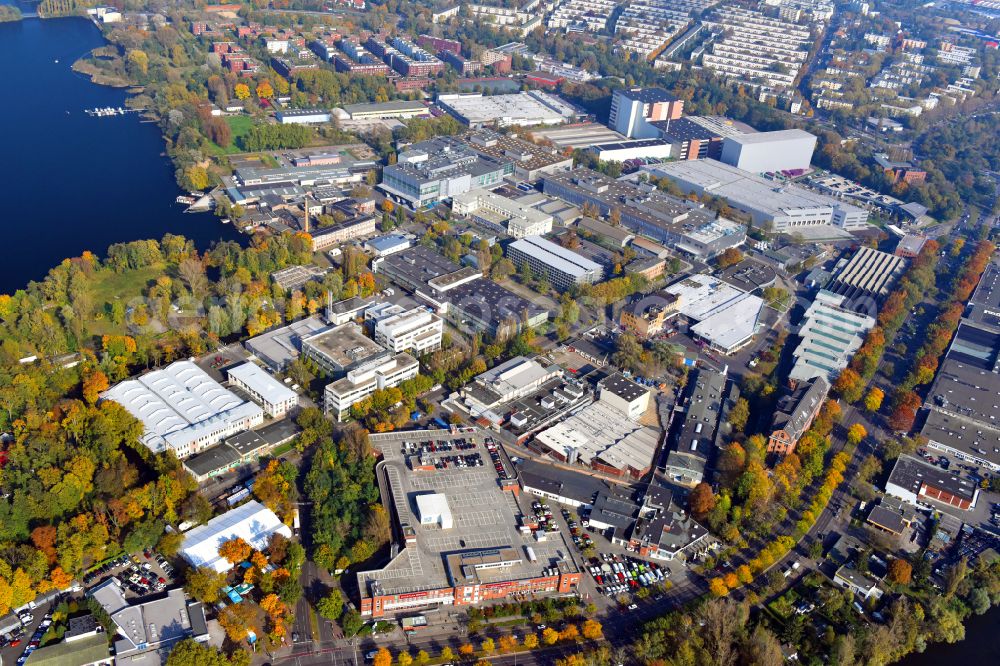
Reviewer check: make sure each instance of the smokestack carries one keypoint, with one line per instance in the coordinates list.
(329, 307)
(306, 222)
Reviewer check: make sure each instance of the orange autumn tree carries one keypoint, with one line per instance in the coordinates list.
(94, 383)
(235, 550)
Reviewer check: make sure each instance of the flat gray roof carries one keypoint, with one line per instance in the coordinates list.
(770, 137)
(484, 518)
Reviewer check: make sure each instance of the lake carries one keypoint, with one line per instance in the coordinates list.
(981, 645)
(72, 182)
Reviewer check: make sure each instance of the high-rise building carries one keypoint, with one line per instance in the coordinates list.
(632, 111)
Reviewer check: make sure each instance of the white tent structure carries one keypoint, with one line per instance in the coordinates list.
(253, 522)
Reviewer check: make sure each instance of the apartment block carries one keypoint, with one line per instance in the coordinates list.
(756, 49)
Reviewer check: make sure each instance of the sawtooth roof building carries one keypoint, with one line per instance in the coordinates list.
(602, 437)
(869, 273)
(830, 334)
(183, 409)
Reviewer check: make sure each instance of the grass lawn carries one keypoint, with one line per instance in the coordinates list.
(111, 286)
(123, 286)
(784, 606)
(240, 126)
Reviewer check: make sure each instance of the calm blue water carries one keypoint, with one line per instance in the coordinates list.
(69, 182)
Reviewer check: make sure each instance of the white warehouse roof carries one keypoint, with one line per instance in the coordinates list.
(556, 256)
(262, 383)
(253, 522)
(729, 327)
(179, 404)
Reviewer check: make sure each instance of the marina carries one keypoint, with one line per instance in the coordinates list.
(105, 111)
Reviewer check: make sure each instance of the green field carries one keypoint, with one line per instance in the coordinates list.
(111, 286)
(240, 125)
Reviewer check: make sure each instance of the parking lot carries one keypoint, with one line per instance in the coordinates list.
(986, 513)
(140, 575)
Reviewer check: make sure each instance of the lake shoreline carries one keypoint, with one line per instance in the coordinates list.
(74, 182)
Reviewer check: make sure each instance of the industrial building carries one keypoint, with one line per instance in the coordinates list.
(588, 227)
(502, 214)
(563, 268)
(829, 335)
(524, 109)
(416, 330)
(577, 135)
(381, 372)
(649, 523)
(697, 137)
(508, 381)
(916, 482)
(530, 161)
(341, 348)
(465, 540)
(869, 273)
(483, 305)
(632, 110)
(276, 398)
(621, 151)
(763, 152)
(601, 436)
(962, 401)
(183, 409)
(146, 631)
(303, 116)
(253, 522)
(341, 232)
(794, 413)
(682, 225)
(383, 246)
(230, 454)
(384, 110)
(780, 206)
(709, 398)
(647, 316)
(461, 295)
(279, 347)
(724, 317)
(436, 170)
(624, 395)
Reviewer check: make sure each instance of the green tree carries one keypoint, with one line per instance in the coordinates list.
(332, 605)
(351, 622)
(739, 414)
(191, 653)
(205, 584)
